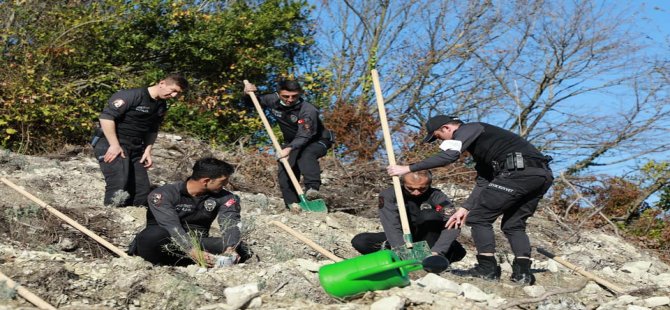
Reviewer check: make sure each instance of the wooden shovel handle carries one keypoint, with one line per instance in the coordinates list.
(581, 271)
(25, 293)
(307, 241)
(65, 218)
(388, 143)
(278, 149)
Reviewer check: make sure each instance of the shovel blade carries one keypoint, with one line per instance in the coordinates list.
(418, 251)
(316, 205)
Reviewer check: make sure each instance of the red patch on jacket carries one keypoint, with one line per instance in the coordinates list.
(438, 208)
(300, 121)
(230, 202)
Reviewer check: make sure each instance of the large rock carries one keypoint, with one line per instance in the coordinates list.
(657, 301)
(435, 284)
(389, 303)
(474, 293)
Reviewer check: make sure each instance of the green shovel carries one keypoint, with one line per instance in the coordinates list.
(411, 250)
(317, 205)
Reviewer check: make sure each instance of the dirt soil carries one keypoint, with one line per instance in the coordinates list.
(71, 271)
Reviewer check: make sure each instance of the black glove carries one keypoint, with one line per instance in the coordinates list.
(435, 263)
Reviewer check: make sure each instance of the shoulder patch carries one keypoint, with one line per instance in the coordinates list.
(156, 199)
(118, 103)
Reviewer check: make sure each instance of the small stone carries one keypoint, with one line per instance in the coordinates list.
(534, 290)
(634, 307)
(657, 301)
(662, 280)
(592, 288)
(389, 303)
(331, 222)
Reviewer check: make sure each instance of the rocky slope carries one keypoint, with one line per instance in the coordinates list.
(70, 271)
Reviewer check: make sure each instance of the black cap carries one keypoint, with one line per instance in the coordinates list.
(434, 123)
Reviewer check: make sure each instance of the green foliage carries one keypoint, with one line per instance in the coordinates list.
(62, 61)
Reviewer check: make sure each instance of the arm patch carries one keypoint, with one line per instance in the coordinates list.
(454, 145)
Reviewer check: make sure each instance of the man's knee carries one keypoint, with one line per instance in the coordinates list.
(364, 243)
(456, 252)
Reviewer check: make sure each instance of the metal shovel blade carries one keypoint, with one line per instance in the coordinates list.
(316, 205)
(418, 251)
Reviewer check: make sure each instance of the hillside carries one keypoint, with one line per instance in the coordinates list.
(70, 271)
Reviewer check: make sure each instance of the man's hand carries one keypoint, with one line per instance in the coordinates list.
(230, 251)
(146, 159)
(397, 170)
(284, 152)
(199, 256)
(249, 88)
(457, 220)
(112, 152)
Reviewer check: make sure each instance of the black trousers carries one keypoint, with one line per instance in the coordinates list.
(514, 195)
(155, 245)
(305, 161)
(124, 174)
(366, 243)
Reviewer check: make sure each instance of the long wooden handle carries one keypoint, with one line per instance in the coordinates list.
(25, 293)
(583, 272)
(307, 241)
(271, 133)
(65, 218)
(389, 151)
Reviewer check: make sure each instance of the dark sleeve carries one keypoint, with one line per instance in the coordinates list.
(438, 198)
(473, 199)
(162, 205)
(229, 220)
(118, 105)
(307, 126)
(463, 137)
(390, 218)
(266, 100)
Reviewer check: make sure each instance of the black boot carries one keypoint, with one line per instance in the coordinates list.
(487, 268)
(521, 271)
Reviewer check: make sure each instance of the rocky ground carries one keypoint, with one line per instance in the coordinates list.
(70, 271)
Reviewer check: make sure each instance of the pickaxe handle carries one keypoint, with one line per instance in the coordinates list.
(583, 272)
(307, 241)
(26, 294)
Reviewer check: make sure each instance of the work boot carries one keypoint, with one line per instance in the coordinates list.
(487, 268)
(521, 272)
(312, 194)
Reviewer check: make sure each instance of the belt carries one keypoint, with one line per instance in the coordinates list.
(533, 162)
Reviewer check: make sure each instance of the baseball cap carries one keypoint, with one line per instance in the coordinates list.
(434, 123)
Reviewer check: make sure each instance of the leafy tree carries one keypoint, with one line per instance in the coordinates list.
(64, 59)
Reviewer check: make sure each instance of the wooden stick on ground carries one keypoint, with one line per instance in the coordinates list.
(307, 241)
(65, 218)
(25, 293)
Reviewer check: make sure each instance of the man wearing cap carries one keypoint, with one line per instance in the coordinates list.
(306, 139)
(427, 209)
(512, 177)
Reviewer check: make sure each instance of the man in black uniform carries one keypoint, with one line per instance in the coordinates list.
(427, 209)
(185, 210)
(512, 177)
(130, 124)
(308, 140)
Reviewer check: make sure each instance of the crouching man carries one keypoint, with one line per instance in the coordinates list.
(180, 216)
(428, 210)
